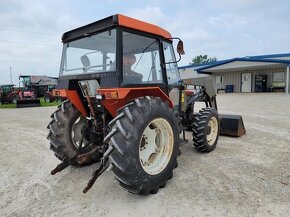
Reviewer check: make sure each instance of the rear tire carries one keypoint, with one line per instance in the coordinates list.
(65, 133)
(206, 129)
(145, 139)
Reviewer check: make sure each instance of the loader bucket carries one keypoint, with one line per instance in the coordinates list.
(232, 125)
(27, 103)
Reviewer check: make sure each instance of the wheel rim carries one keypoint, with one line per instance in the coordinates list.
(212, 130)
(47, 99)
(78, 140)
(156, 146)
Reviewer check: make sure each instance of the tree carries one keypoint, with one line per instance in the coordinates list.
(200, 59)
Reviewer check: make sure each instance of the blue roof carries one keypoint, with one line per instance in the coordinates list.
(261, 58)
(194, 65)
(271, 56)
(287, 62)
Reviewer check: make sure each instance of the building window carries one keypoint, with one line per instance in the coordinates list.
(279, 76)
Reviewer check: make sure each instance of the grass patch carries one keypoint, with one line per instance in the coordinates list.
(42, 104)
(8, 106)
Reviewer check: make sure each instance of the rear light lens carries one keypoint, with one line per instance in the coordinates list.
(112, 95)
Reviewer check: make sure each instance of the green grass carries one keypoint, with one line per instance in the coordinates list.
(8, 106)
(42, 104)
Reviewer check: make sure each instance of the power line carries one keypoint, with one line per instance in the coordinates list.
(30, 43)
(29, 57)
(30, 32)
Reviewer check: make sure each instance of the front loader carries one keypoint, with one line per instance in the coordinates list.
(126, 104)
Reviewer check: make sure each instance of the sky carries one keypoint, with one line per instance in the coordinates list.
(31, 30)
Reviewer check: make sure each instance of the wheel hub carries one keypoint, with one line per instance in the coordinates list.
(208, 130)
(77, 136)
(156, 146)
(212, 130)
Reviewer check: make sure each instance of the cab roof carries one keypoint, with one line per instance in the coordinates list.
(112, 21)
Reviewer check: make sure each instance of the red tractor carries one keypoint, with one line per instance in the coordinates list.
(27, 96)
(8, 94)
(126, 105)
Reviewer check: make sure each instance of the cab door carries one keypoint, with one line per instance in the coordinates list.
(141, 65)
(172, 74)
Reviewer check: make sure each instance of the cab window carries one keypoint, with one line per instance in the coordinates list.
(141, 60)
(172, 72)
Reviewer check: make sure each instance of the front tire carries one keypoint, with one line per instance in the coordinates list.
(145, 139)
(206, 129)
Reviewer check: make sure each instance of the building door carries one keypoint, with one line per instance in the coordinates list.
(246, 82)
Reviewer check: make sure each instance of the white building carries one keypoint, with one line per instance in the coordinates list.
(264, 73)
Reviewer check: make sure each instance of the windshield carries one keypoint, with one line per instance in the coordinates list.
(6, 89)
(92, 54)
(25, 81)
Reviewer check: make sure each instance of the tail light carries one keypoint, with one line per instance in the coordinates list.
(112, 95)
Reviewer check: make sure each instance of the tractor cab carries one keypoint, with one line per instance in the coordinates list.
(7, 93)
(6, 89)
(118, 52)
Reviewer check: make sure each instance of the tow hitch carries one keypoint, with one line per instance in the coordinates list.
(86, 159)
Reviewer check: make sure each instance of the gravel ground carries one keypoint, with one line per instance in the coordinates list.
(246, 176)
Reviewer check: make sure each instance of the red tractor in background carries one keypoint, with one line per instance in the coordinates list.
(32, 87)
(8, 94)
(127, 106)
(35, 86)
(39, 84)
(26, 93)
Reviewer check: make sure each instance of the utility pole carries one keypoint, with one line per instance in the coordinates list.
(287, 80)
(11, 79)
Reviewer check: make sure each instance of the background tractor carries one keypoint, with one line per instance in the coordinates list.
(53, 94)
(8, 94)
(32, 87)
(40, 84)
(126, 106)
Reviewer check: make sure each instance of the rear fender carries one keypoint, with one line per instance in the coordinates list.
(49, 93)
(74, 98)
(118, 97)
(11, 94)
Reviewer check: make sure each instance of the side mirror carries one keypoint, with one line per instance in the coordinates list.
(179, 48)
